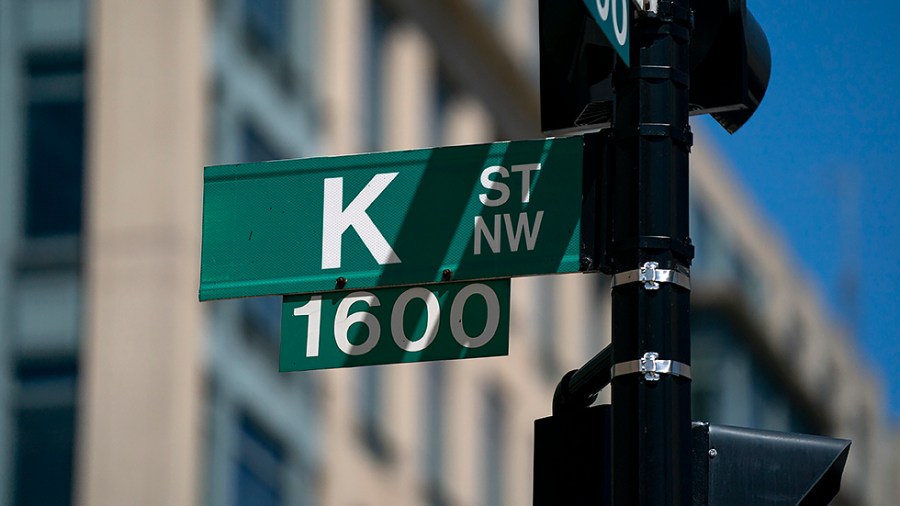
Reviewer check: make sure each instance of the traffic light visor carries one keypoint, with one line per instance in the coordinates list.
(736, 467)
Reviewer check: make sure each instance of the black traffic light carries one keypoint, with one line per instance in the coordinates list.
(732, 466)
(730, 65)
(730, 62)
(741, 467)
(576, 68)
(572, 458)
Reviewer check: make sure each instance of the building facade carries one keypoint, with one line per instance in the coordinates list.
(119, 387)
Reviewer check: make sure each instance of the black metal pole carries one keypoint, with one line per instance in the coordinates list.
(652, 139)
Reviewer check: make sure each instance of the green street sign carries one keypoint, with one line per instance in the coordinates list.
(395, 325)
(614, 18)
(390, 219)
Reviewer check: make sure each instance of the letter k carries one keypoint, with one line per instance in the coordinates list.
(336, 220)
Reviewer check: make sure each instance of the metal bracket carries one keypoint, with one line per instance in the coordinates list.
(651, 276)
(651, 367)
(647, 5)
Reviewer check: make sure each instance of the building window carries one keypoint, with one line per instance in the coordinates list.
(45, 435)
(748, 280)
(267, 25)
(494, 448)
(380, 22)
(54, 146)
(433, 443)
(307, 491)
(712, 256)
(267, 28)
(305, 47)
(545, 326)
(255, 147)
(371, 405)
(444, 94)
(732, 383)
(705, 391)
(259, 466)
(262, 320)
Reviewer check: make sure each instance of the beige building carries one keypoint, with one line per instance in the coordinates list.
(121, 388)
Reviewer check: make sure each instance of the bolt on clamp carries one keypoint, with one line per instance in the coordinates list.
(651, 367)
(651, 276)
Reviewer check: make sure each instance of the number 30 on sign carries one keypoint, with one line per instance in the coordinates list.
(394, 325)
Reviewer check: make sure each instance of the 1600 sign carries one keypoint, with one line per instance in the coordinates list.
(437, 322)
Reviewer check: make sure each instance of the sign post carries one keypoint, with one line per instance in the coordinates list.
(651, 251)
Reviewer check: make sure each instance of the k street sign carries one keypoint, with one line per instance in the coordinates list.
(390, 219)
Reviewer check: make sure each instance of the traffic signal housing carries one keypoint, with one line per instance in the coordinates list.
(730, 65)
(577, 63)
(732, 466)
(572, 458)
(735, 466)
(730, 62)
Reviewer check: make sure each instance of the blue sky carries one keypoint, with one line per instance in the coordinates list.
(821, 158)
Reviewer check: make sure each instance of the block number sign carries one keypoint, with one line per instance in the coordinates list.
(394, 325)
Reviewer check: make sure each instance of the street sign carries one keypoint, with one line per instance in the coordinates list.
(614, 18)
(394, 325)
(389, 219)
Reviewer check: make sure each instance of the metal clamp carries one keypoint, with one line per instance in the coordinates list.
(651, 367)
(647, 5)
(651, 276)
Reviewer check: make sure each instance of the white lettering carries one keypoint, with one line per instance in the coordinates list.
(355, 341)
(526, 170)
(432, 312)
(343, 321)
(493, 239)
(459, 306)
(312, 310)
(336, 220)
(603, 8)
(490, 184)
(621, 31)
(515, 236)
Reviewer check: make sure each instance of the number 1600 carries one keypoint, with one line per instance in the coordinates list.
(344, 320)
